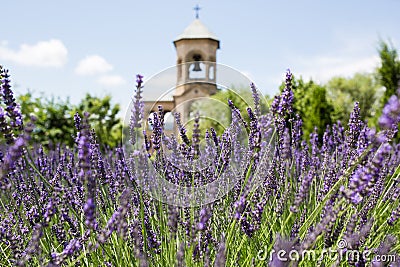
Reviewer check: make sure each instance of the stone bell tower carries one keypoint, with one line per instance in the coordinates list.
(196, 71)
(196, 50)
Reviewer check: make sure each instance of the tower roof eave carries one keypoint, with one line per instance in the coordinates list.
(196, 30)
(177, 40)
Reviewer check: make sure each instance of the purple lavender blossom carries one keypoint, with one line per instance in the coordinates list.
(391, 113)
(77, 120)
(139, 81)
(16, 151)
(240, 206)
(50, 211)
(275, 104)
(255, 135)
(181, 128)
(395, 216)
(283, 104)
(180, 255)
(285, 148)
(13, 110)
(220, 258)
(297, 132)
(287, 96)
(85, 151)
(256, 99)
(214, 137)
(117, 222)
(90, 213)
(73, 246)
(158, 128)
(303, 191)
(33, 246)
(5, 127)
(364, 178)
(196, 136)
(137, 112)
(236, 112)
(355, 126)
(241, 215)
(204, 217)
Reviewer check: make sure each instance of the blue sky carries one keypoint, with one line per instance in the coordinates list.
(67, 48)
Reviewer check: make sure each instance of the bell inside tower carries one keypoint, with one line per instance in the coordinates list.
(197, 59)
(197, 69)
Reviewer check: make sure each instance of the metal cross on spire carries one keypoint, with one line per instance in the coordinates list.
(197, 9)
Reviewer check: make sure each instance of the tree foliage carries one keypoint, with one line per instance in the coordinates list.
(103, 118)
(389, 70)
(215, 112)
(312, 104)
(55, 119)
(344, 92)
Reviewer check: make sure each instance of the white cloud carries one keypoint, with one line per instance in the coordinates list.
(52, 53)
(347, 68)
(93, 64)
(323, 68)
(111, 80)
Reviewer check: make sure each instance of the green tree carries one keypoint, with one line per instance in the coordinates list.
(343, 92)
(312, 104)
(55, 119)
(103, 119)
(216, 113)
(389, 70)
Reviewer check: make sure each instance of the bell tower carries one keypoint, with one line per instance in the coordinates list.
(196, 50)
(196, 70)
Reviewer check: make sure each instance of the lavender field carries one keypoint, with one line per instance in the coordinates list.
(296, 201)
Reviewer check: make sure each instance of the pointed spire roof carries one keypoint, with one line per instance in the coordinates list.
(197, 30)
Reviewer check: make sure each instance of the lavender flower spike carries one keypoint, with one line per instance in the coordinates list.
(283, 104)
(138, 106)
(256, 99)
(90, 210)
(364, 178)
(390, 113)
(355, 126)
(12, 109)
(137, 112)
